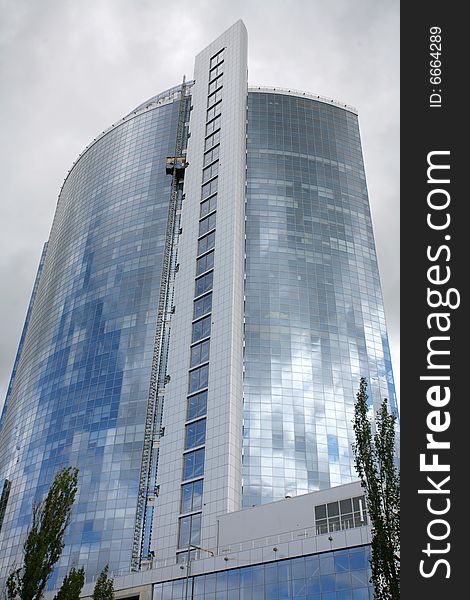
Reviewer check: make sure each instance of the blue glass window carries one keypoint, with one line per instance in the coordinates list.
(193, 464)
(197, 405)
(203, 284)
(200, 353)
(210, 187)
(212, 155)
(198, 378)
(208, 205)
(206, 243)
(190, 531)
(202, 306)
(201, 329)
(210, 171)
(207, 224)
(191, 496)
(205, 263)
(195, 434)
(289, 578)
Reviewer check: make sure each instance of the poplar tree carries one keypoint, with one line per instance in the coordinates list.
(375, 465)
(72, 585)
(104, 587)
(45, 540)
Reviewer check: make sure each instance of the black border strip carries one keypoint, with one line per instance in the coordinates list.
(431, 124)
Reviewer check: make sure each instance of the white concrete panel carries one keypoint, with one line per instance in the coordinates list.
(222, 473)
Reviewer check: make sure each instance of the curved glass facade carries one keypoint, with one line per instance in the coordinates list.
(82, 383)
(314, 319)
(337, 575)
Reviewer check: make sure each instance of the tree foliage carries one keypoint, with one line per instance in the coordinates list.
(379, 476)
(44, 543)
(72, 585)
(104, 587)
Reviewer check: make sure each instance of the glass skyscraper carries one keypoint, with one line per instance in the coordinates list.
(205, 305)
(314, 319)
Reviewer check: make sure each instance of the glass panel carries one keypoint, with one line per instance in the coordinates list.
(204, 284)
(216, 83)
(357, 502)
(196, 529)
(217, 58)
(198, 378)
(291, 578)
(213, 73)
(210, 171)
(360, 519)
(333, 509)
(358, 559)
(201, 329)
(342, 562)
(193, 464)
(209, 188)
(200, 353)
(197, 494)
(202, 306)
(191, 496)
(347, 521)
(212, 154)
(208, 205)
(197, 405)
(190, 530)
(207, 224)
(185, 529)
(213, 125)
(195, 434)
(186, 497)
(206, 243)
(157, 591)
(214, 111)
(205, 263)
(213, 98)
(199, 463)
(333, 524)
(321, 526)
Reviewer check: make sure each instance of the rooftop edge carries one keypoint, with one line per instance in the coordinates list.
(299, 93)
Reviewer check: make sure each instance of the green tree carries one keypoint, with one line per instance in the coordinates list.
(104, 587)
(375, 465)
(44, 543)
(72, 585)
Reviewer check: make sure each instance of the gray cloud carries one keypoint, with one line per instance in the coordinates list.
(69, 69)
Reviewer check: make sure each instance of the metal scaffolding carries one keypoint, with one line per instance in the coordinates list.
(159, 378)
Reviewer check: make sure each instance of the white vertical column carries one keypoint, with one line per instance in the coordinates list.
(223, 446)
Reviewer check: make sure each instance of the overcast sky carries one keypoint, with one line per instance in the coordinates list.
(70, 68)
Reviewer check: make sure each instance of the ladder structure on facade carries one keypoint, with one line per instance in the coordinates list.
(148, 489)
